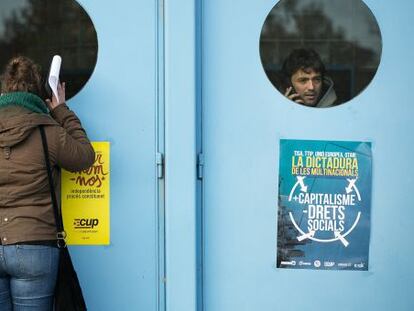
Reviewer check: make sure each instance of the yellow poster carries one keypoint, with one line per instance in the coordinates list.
(85, 201)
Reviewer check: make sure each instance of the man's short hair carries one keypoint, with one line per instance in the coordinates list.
(302, 59)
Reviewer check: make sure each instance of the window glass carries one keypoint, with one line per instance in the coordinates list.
(343, 33)
(40, 29)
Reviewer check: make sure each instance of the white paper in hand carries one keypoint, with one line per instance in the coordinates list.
(53, 79)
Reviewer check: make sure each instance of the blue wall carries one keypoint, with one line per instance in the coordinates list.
(182, 77)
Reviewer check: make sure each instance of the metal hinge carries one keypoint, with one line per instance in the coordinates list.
(160, 165)
(200, 166)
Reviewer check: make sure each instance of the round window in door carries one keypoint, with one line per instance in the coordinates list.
(320, 53)
(40, 29)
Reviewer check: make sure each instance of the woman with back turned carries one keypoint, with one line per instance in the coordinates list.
(28, 253)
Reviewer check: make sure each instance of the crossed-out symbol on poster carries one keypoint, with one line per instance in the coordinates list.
(325, 212)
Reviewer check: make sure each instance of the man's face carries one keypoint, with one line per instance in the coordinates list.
(308, 85)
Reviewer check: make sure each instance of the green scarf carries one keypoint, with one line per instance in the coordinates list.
(27, 100)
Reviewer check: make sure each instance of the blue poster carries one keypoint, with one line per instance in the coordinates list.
(324, 205)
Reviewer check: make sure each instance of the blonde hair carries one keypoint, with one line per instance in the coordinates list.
(21, 75)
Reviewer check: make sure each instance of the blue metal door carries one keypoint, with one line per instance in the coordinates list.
(120, 105)
(243, 119)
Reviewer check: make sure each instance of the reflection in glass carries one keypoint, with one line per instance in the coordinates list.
(40, 29)
(343, 32)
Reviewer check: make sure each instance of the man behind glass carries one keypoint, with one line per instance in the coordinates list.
(305, 81)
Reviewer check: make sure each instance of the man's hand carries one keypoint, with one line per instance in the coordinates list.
(294, 96)
(52, 104)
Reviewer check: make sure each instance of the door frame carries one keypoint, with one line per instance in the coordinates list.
(180, 85)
